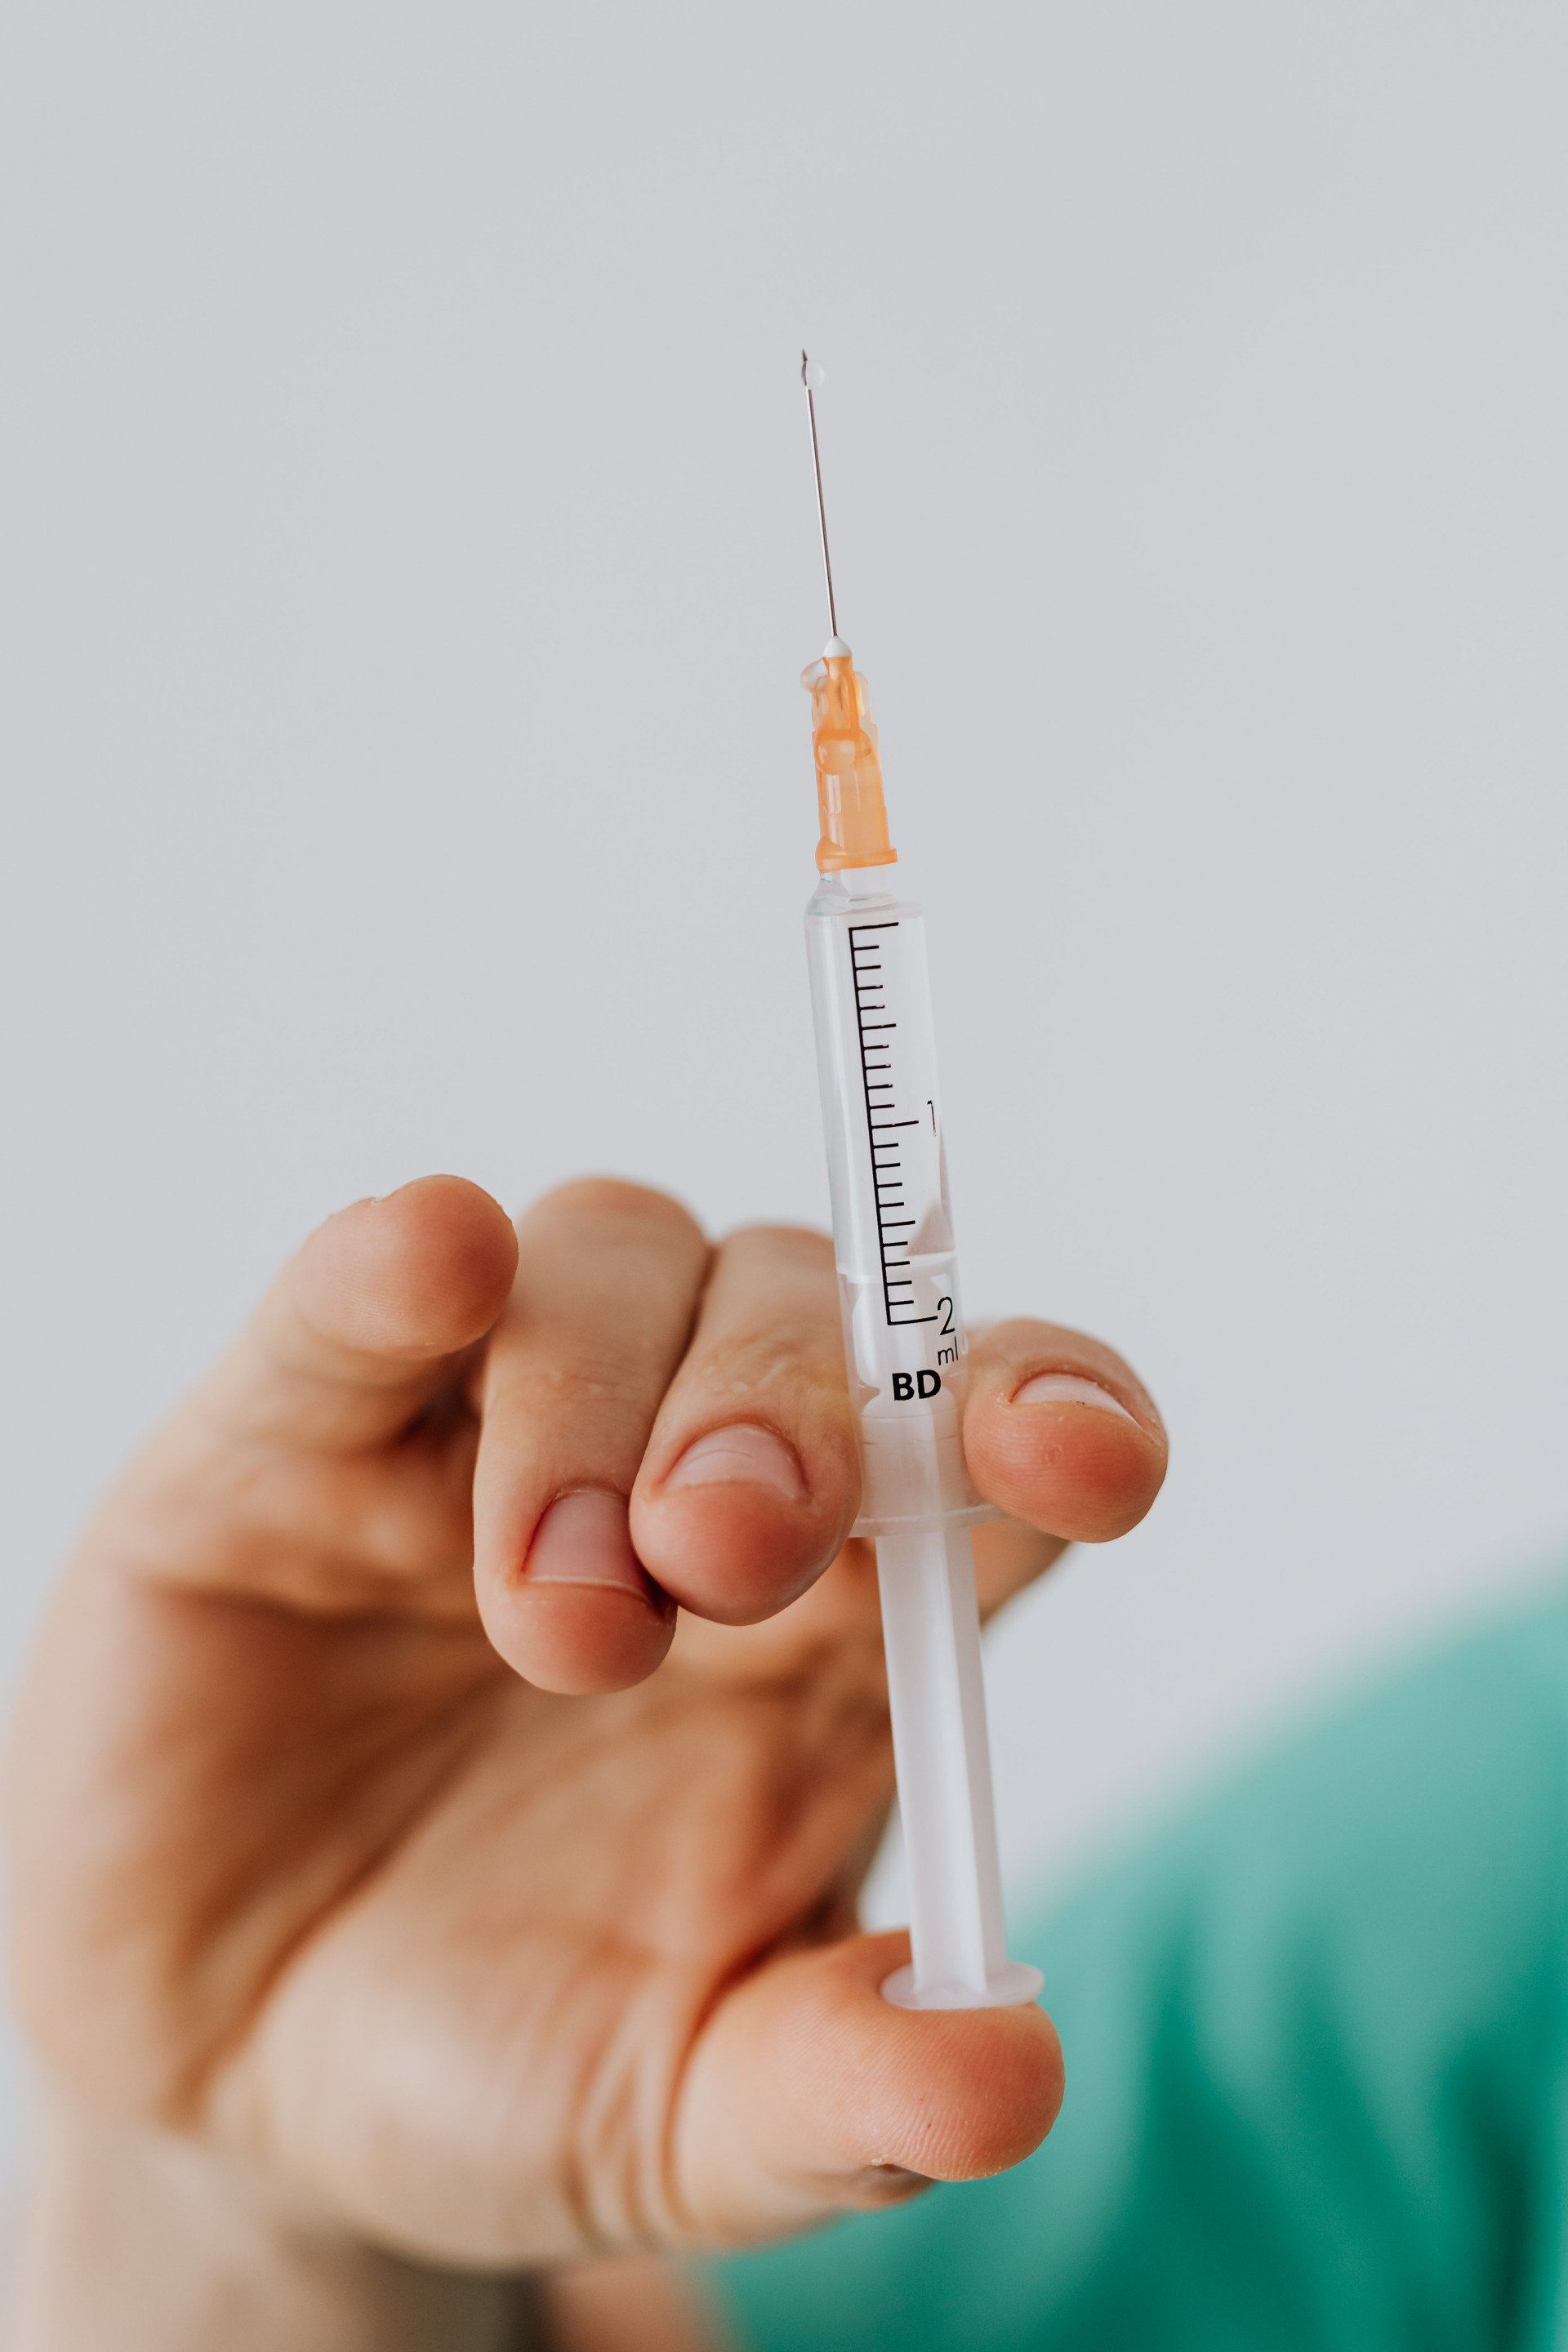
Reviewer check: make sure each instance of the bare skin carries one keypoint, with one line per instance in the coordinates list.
(468, 1874)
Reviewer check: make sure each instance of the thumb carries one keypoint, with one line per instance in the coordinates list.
(809, 2094)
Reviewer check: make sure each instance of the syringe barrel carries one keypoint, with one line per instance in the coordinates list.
(904, 1340)
(904, 1347)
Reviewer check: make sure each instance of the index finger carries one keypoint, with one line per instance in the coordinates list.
(370, 1320)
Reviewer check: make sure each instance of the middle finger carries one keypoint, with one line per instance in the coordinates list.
(751, 1481)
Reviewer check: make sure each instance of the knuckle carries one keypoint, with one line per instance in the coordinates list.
(1023, 1335)
(800, 1372)
(1028, 1344)
(805, 1244)
(617, 1197)
(588, 1383)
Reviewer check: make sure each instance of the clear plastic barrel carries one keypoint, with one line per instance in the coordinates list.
(893, 1226)
(904, 1346)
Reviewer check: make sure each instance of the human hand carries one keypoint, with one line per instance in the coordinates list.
(474, 1857)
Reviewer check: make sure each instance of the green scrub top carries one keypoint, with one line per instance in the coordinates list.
(1317, 2061)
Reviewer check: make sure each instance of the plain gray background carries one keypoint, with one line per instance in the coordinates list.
(407, 559)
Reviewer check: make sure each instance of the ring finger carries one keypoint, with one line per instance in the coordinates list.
(750, 1484)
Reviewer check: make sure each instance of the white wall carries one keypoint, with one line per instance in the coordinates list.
(407, 559)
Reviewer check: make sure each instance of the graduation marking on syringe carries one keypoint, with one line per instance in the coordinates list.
(877, 1033)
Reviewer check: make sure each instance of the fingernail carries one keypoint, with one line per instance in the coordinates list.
(743, 1456)
(582, 1539)
(892, 2181)
(1068, 1388)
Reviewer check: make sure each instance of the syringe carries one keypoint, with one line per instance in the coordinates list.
(904, 1342)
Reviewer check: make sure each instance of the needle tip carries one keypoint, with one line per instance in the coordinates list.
(811, 376)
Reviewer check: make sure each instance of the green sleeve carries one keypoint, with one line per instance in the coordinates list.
(1317, 2094)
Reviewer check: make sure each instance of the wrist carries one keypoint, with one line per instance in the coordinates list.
(135, 2238)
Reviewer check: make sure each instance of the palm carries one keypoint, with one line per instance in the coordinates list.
(450, 1918)
(575, 1886)
(303, 1866)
